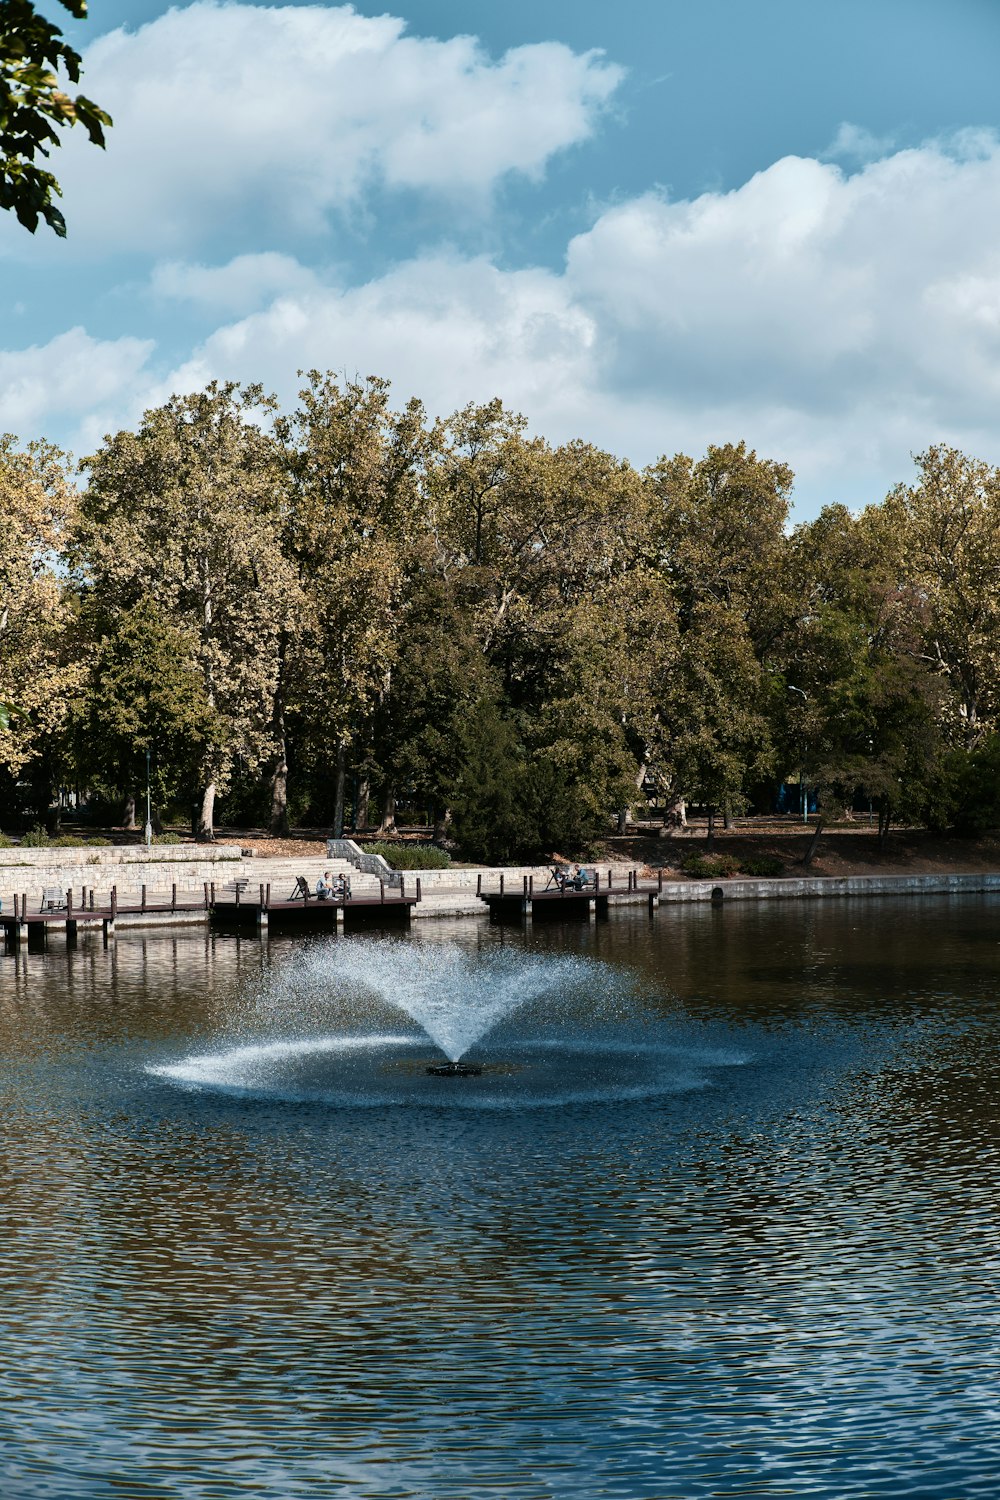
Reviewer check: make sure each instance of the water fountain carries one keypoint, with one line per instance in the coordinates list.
(533, 1029)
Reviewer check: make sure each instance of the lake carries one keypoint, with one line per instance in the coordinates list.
(719, 1217)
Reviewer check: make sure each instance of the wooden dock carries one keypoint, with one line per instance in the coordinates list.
(566, 901)
(226, 908)
(353, 913)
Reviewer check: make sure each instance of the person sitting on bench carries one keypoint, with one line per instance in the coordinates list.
(324, 886)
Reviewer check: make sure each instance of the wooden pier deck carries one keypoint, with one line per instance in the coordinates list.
(589, 901)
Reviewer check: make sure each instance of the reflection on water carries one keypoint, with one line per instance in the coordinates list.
(747, 1245)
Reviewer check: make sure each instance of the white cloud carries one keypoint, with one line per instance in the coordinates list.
(835, 321)
(244, 284)
(231, 116)
(74, 383)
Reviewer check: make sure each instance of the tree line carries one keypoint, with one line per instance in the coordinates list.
(314, 615)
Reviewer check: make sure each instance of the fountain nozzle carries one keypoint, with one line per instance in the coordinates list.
(454, 1070)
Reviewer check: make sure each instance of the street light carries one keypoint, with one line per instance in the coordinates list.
(802, 775)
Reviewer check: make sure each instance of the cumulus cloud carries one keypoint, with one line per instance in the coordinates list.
(74, 383)
(227, 115)
(837, 321)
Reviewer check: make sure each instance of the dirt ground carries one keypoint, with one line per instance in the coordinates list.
(850, 850)
(841, 850)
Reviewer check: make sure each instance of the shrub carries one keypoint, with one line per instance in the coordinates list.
(5, 842)
(167, 838)
(36, 838)
(762, 864)
(410, 856)
(708, 866)
(66, 841)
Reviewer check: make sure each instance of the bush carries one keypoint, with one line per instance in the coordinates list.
(762, 864)
(708, 866)
(167, 838)
(36, 838)
(5, 842)
(410, 856)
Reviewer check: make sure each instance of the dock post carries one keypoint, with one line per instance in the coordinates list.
(501, 882)
(381, 891)
(205, 884)
(142, 900)
(17, 908)
(654, 902)
(420, 894)
(659, 881)
(108, 926)
(267, 895)
(92, 898)
(479, 883)
(20, 933)
(173, 897)
(69, 904)
(213, 892)
(524, 892)
(402, 887)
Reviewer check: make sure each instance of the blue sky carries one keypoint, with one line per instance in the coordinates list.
(653, 226)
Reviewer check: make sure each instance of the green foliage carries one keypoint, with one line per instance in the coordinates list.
(167, 838)
(767, 865)
(5, 842)
(38, 838)
(965, 792)
(410, 856)
(708, 866)
(33, 109)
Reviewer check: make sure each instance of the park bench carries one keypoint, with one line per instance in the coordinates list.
(53, 899)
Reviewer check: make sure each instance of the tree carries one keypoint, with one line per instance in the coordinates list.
(864, 712)
(717, 536)
(34, 108)
(353, 466)
(944, 534)
(145, 694)
(190, 507)
(38, 672)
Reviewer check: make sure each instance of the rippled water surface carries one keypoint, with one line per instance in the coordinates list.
(719, 1218)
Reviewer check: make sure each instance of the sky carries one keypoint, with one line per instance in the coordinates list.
(653, 226)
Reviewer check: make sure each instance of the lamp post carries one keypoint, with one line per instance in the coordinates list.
(802, 774)
(149, 821)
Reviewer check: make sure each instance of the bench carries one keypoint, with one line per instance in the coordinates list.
(53, 899)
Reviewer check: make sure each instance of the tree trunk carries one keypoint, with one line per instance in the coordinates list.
(808, 856)
(128, 813)
(442, 822)
(205, 830)
(884, 820)
(727, 821)
(711, 828)
(676, 813)
(388, 823)
(361, 800)
(622, 819)
(278, 820)
(338, 797)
